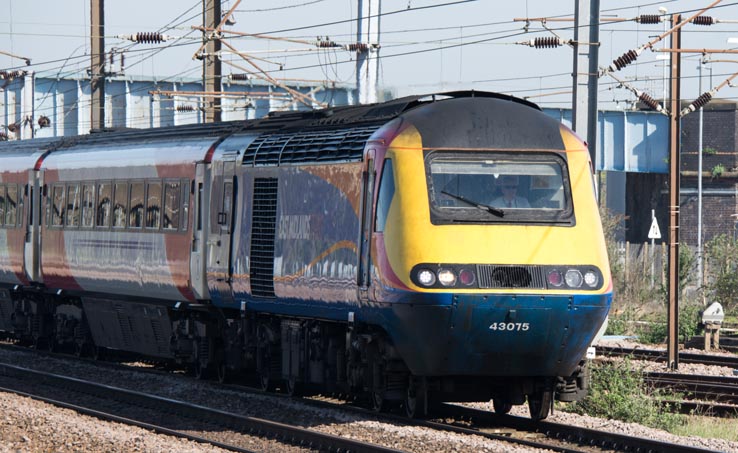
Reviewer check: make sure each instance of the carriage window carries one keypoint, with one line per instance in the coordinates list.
(153, 205)
(2, 205)
(498, 187)
(120, 205)
(187, 186)
(88, 205)
(11, 205)
(73, 205)
(57, 207)
(103, 204)
(171, 205)
(136, 212)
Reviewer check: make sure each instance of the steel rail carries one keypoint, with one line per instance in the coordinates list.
(660, 356)
(246, 425)
(574, 434)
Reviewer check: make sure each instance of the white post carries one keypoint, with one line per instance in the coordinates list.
(653, 244)
(367, 65)
(27, 106)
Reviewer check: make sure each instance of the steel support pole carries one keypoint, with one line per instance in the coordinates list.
(97, 64)
(211, 65)
(672, 345)
(586, 68)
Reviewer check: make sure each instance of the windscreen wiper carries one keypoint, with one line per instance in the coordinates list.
(484, 207)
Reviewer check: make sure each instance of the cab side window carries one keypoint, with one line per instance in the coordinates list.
(384, 198)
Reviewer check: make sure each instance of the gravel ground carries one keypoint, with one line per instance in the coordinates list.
(26, 425)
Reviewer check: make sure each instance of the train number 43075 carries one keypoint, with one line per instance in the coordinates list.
(510, 326)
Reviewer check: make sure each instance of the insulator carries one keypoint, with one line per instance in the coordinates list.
(13, 127)
(697, 103)
(648, 19)
(185, 108)
(701, 101)
(649, 101)
(148, 37)
(626, 59)
(3, 137)
(704, 20)
(10, 75)
(44, 121)
(242, 76)
(326, 44)
(547, 42)
(357, 47)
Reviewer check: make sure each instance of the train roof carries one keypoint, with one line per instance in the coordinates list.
(336, 133)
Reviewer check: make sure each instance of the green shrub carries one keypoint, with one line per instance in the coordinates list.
(618, 391)
(722, 257)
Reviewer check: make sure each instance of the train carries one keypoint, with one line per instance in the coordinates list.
(354, 250)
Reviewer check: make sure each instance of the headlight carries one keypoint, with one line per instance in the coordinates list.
(591, 279)
(426, 277)
(446, 277)
(573, 278)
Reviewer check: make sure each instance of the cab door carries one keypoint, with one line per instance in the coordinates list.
(222, 204)
(366, 230)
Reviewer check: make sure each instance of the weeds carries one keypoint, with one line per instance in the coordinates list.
(618, 391)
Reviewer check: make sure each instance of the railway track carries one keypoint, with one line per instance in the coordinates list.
(587, 439)
(660, 356)
(709, 395)
(451, 418)
(172, 417)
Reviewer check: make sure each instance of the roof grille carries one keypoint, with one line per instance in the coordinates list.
(262, 237)
(511, 276)
(336, 145)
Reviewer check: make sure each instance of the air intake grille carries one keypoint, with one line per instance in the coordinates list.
(337, 145)
(493, 276)
(262, 237)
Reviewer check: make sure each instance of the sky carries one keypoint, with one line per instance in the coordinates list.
(426, 46)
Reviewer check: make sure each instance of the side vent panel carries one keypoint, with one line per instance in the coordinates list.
(262, 237)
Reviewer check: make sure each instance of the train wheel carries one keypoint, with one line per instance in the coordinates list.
(501, 406)
(292, 387)
(415, 400)
(539, 404)
(379, 403)
(222, 372)
(79, 349)
(202, 372)
(98, 353)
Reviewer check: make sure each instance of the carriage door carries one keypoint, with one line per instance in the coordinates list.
(199, 231)
(222, 202)
(32, 221)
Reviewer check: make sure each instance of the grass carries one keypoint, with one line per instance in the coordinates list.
(619, 392)
(708, 427)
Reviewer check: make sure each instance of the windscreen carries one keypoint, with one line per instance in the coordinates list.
(498, 187)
